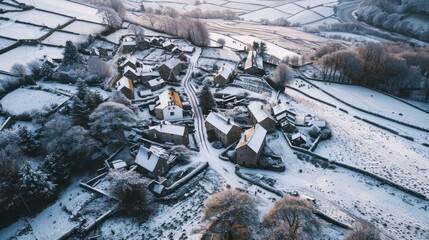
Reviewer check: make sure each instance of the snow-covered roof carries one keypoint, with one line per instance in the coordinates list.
(279, 109)
(225, 71)
(155, 74)
(117, 164)
(129, 43)
(167, 43)
(170, 129)
(155, 82)
(148, 158)
(253, 59)
(259, 112)
(130, 59)
(188, 49)
(299, 135)
(168, 98)
(318, 123)
(172, 63)
(253, 137)
(124, 82)
(128, 68)
(220, 122)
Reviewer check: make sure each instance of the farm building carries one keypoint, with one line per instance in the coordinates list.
(128, 47)
(287, 126)
(130, 73)
(154, 162)
(250, 149)
(188, 50)
(318, 123)
(222, 129)
(259, 115)
(131, 62)
(155, 84)
(170, 69)
(169, 106)
(125, 85)
(254, 63)
(169, 133)
(299, 139)
(144, 77)
(224, 75)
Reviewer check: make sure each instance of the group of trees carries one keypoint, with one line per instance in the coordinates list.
(233, 215)
(386, 66)
(22, 188)
(68, 140)
(191, 29)
(392, 15)
(111, 11)
(195, 13)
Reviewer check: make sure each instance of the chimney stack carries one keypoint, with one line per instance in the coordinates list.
(229, 121)
(262, 107)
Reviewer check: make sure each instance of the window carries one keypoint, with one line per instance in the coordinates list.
(171, 113)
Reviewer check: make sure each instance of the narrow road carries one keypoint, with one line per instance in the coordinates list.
(345, 11)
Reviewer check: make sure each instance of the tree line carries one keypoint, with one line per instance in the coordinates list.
(233, 215)
(68, 141)
(393, 15)
(388, 67)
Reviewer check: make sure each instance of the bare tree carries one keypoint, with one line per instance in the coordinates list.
(292, 218)
(364, 231)
(99, 67)
(283, 74)
(231, 214)
(110, 17)
(19, 69)
(118, 6)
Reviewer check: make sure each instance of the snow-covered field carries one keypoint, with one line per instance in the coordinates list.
(377, 102)
(367, 147)
(305, 17)
(15, 30)
(26, 101)
(85, 28)
(38, 17)
(272, 49)
(60, 38)
(290, 8)
(265, 13)
(67, 8)
(26, 54)
(5, 42)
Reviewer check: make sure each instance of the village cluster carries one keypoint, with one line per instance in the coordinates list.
(153, 83)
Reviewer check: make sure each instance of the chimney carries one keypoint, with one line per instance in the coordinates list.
(229, 121)
(245, 137)
(160, 124)
(148, 155)
(262, 107)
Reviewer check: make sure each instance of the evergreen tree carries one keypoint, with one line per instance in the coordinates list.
(84, 103)
(58, 168)
(27, 142)
(207, 101)
(34, 186)
(46, 71)
(71, 55)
